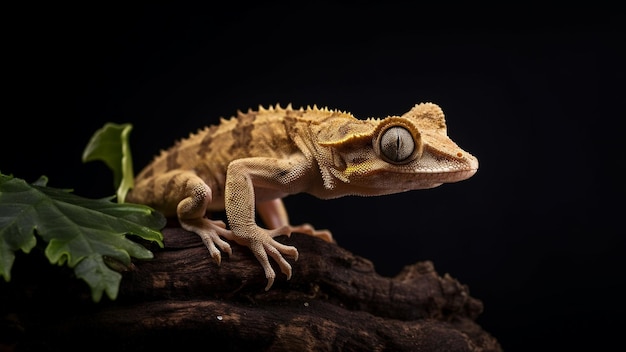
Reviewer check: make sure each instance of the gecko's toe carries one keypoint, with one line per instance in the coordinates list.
(218, 223)
(324, 235)
(270, 282)
(290, 251)
(217, 257)
(210, 231)
(213, 251)
(308, 229)
(274, 249)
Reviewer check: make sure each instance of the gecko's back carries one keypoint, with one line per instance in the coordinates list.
(208, 153)
(211, 149)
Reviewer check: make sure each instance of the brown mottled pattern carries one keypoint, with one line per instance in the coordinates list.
(172, 160)
(297, 113)
(148, 172)
(205, 144)
(150, 192)
(214, 177)
(171, 187)
(242, 133)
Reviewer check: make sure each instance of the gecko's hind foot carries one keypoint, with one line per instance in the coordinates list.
(308, 229)
(210, 232)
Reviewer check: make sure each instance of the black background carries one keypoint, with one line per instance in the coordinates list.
(538, 97)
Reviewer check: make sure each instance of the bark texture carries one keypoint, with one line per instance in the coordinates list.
(181, 299)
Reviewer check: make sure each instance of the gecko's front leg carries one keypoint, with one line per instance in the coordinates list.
(243, 176)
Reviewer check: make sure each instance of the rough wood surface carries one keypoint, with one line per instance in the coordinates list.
(181, 299)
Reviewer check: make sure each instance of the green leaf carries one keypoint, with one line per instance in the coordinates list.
(79, 232)
(110, 144)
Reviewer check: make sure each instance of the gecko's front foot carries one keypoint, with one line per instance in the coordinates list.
(210, 232)
(262, 243)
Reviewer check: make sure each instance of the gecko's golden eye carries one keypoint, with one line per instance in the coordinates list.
(397, 144)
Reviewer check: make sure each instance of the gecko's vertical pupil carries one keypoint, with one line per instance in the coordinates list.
(397, 144)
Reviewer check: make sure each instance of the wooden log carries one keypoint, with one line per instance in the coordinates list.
(181, 299)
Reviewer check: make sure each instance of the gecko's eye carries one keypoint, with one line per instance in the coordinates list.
(397, 144)
(397, 140)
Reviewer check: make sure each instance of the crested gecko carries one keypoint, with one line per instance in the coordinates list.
(248, 163)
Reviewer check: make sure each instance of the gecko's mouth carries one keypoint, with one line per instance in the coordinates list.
(389, 183)
(446, 170)
(456, 176)
(431, 179)
(442, 174)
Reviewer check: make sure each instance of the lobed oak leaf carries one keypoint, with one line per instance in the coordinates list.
(79, 232)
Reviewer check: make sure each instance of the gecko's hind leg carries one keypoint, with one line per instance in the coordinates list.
(191, 211)
(274, 215)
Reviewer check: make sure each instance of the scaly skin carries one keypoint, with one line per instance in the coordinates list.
(248, 163)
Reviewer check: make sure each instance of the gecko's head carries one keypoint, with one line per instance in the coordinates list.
(401, 153)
